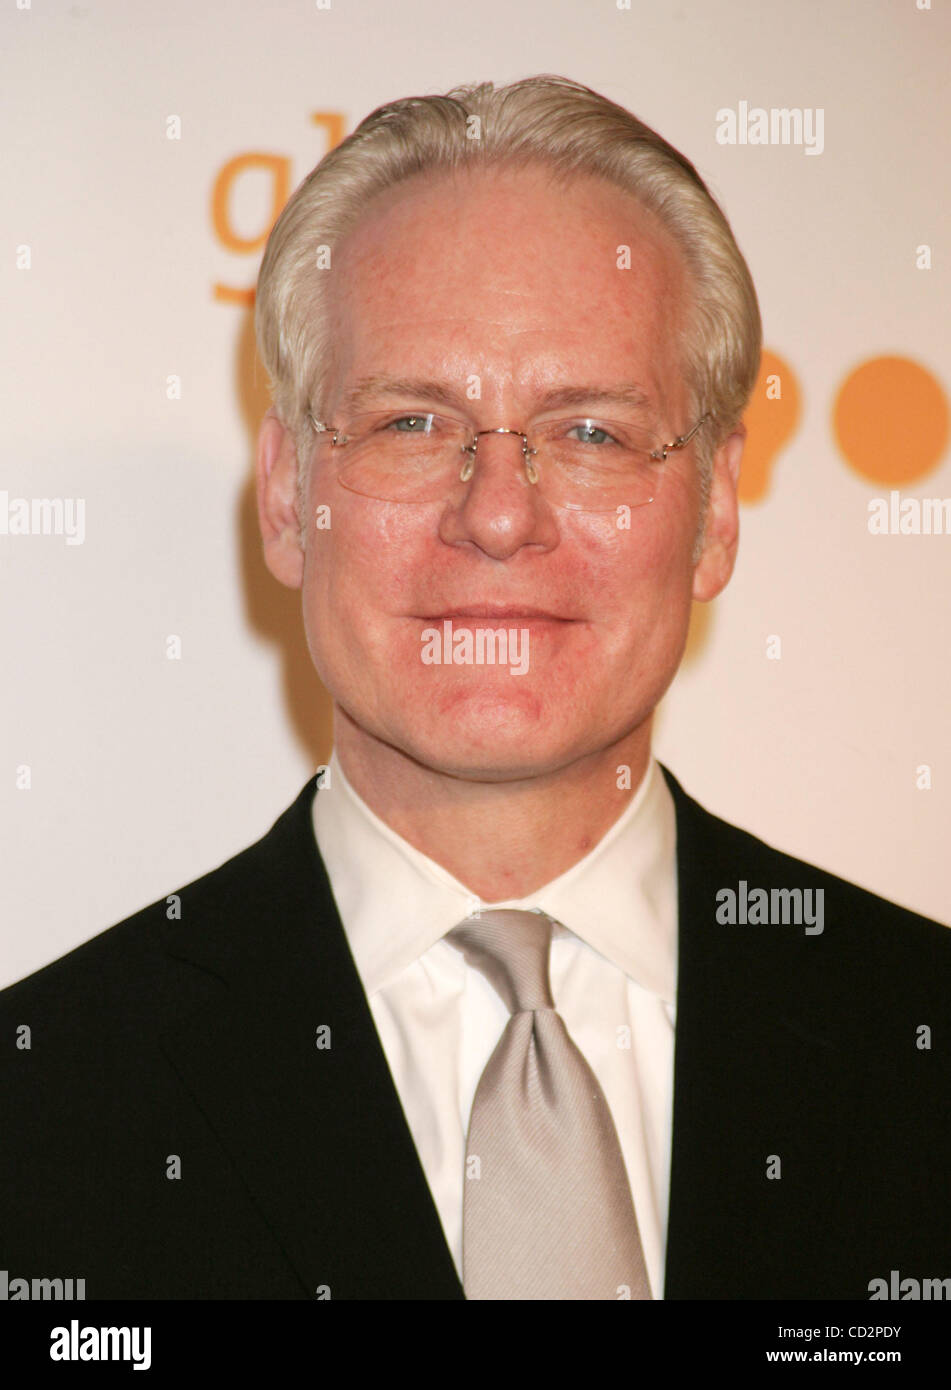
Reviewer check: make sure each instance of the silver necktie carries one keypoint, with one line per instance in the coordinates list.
(547, 1212)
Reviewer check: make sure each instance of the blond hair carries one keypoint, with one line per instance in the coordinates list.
(546, 120)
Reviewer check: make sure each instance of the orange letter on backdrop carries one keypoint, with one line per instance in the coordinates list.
(279, 168)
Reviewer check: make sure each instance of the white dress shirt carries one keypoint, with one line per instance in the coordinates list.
(613, 977)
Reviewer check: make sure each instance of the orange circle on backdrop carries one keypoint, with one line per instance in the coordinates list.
(891, 420)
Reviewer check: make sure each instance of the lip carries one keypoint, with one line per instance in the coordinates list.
(503, 612)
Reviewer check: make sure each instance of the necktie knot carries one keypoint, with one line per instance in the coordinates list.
(510, 948)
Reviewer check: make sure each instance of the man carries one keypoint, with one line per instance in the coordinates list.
(496, 1010)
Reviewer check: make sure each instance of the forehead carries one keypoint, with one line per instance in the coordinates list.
(511, 273)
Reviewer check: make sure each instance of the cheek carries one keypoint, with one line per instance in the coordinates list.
(638, 572)
(358, 570)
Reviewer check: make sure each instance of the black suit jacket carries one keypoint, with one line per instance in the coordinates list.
(188, 1033)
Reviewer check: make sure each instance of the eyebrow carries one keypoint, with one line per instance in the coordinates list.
(371, 388)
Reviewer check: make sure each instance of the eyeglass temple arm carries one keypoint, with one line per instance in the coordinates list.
(683, 439)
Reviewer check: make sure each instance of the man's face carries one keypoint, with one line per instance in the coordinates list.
(513, 282)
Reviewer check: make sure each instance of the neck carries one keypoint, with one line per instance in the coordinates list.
(500, 839)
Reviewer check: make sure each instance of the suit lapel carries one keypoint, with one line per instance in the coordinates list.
(755, 1079)
(317, 1132)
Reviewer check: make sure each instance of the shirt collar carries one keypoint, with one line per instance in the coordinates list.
(395, 902)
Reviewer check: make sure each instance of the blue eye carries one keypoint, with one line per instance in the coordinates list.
(412, 421)
(588, 433)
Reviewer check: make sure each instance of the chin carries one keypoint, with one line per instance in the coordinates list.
(491, 740)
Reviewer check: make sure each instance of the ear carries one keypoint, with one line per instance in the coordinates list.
(722, 530)
(276, 473)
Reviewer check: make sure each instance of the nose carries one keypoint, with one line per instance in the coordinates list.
(501, 508)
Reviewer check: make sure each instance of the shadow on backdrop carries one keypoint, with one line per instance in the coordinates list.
(272, 611)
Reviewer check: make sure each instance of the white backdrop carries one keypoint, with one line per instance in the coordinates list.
(128, 381)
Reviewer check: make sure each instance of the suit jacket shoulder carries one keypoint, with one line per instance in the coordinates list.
(812, 1124)
(204, 1109)
(754, 902)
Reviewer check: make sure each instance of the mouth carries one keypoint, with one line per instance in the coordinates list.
(495, 613)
